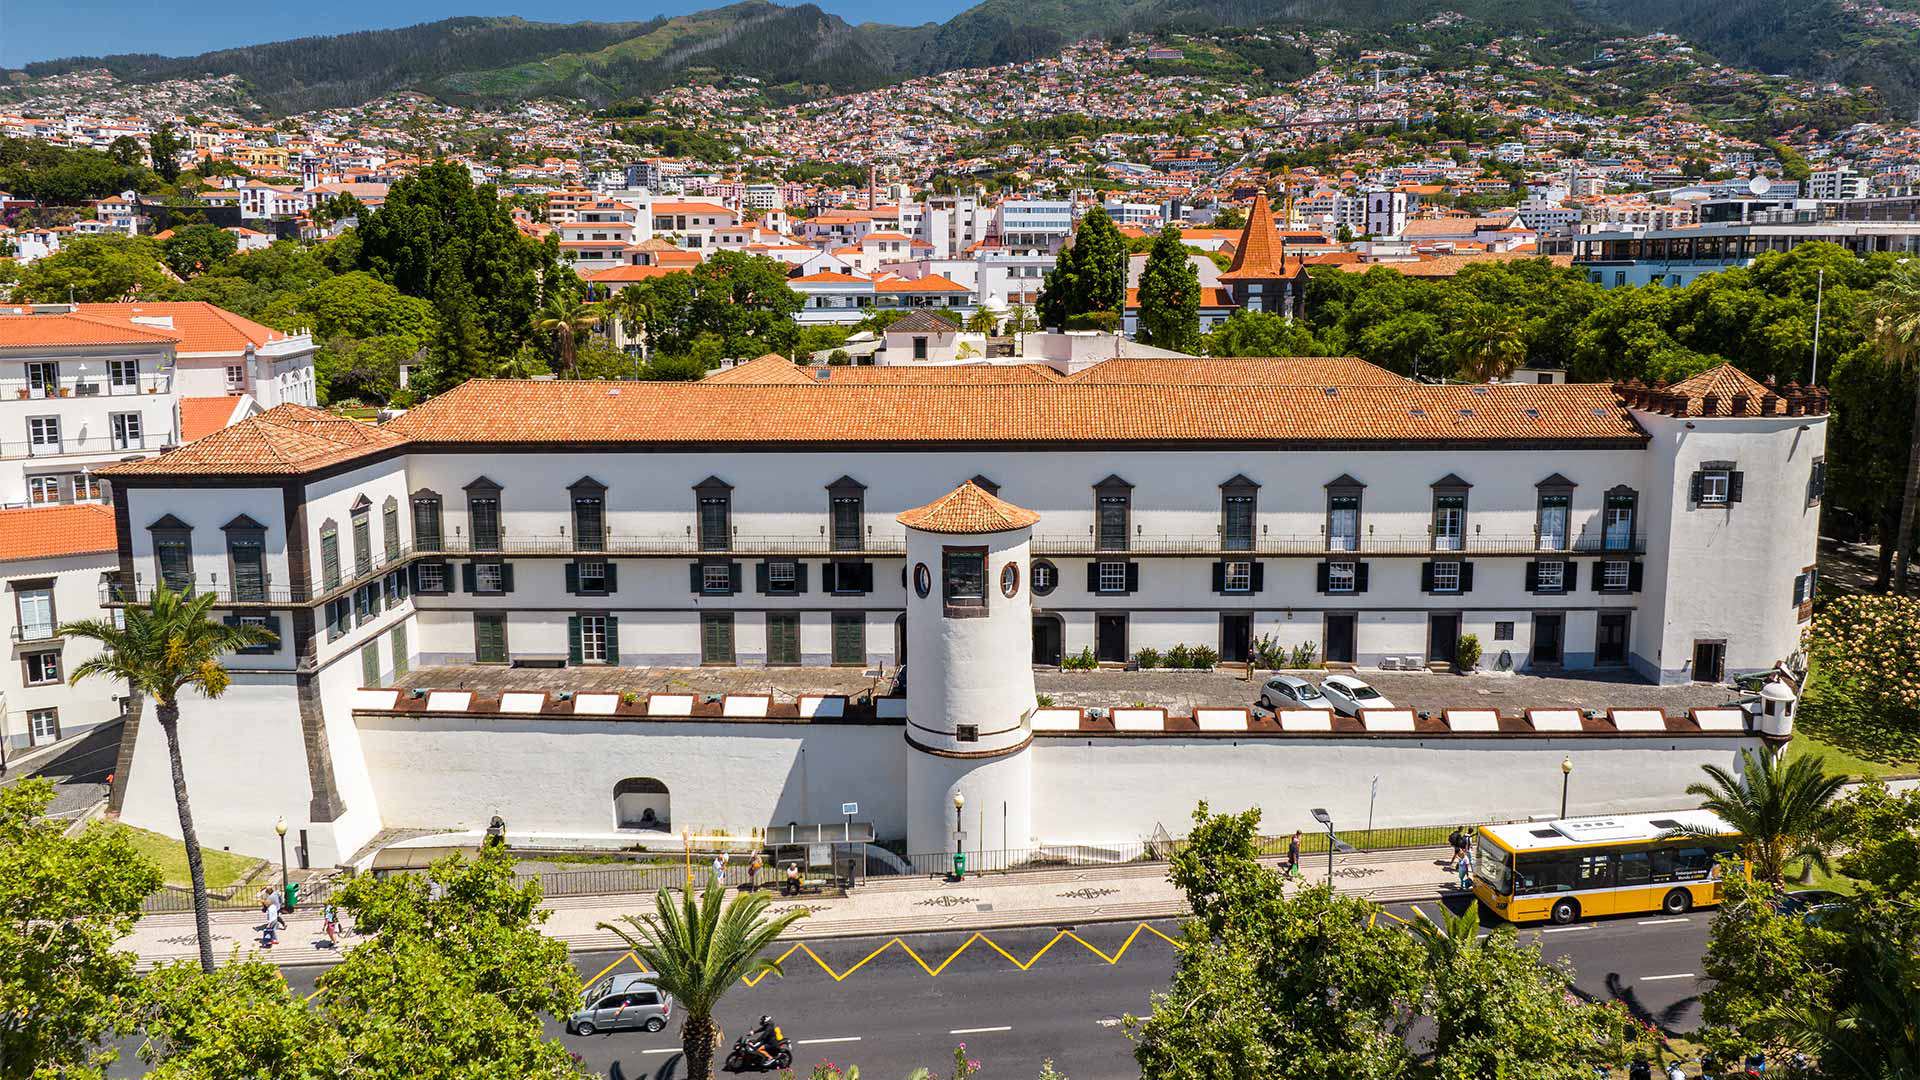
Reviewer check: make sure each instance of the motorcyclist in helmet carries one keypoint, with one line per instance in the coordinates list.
(765, 1037)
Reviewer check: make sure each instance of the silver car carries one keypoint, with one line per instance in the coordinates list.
(1289, 692)
(1347, 695)
(622, 1003)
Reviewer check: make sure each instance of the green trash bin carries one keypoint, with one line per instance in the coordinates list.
(293, 895)
(959, 864)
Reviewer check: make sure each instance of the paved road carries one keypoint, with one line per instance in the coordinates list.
(888, 1015)
(79, 770)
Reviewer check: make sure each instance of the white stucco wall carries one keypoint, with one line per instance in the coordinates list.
(206, 510)
(559, 775)
(1118, 789)
(76, 596)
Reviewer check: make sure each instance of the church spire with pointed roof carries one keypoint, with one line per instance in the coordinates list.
(1260, 277)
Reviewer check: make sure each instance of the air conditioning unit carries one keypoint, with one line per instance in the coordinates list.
(1389, 663)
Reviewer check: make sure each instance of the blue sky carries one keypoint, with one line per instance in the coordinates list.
(48, 29)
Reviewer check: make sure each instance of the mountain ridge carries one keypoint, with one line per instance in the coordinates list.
(474, 59)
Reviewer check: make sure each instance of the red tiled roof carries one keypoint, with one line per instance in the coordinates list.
(1258, 254)
(45, 532)
(201, 327)
(1724, 383)
(968, 509)
(629, 273)
(205, 415)
(286, 439)
(929, 283)
(73, 328)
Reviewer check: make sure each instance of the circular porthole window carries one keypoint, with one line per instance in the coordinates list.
(1009, 580)
(1045, 577)
(922, 580)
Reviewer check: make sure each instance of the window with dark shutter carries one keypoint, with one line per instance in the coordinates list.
(248, 556)
(589, 523)
(426, 522)
(362, 543)
(1237, 513)
(1113, 499)
(1817, 482)
(489, 638)
(716, 637)
(845, 510)
(330, 556)
(713, 499)
(783, 639)
(390, 527)
(849, 638)
(1616, 524)
(483, 515)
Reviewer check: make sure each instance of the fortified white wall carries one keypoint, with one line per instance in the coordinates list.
(1115, 789)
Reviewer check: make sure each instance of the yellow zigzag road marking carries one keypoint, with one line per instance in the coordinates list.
(933, 971)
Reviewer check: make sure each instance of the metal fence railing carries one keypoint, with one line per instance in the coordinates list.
(175, 899)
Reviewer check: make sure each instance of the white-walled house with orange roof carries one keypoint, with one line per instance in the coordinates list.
(52, 562)
(972, 521)
(93, 384)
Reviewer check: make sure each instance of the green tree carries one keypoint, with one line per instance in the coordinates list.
(1760, 959)
(94, 269)
(567, 316)
(440, 238)
(1230, 217)
(1892, 316)
(458, 351)
(1260, 333)
(127, 152)
(1090, 273)
(1169, 296)
(702, 947)
(453, 977)
(164, 147)
(241, 1022)
(1020, 322)
(361, 369)
(65, 903)
(194, 248)
(170, 645)
(263, 284)
(338, 208)
(356, 305)
(1271, 985)
(1485, 344)
(1499, 1010)
(982, 321)
(1780, 806)
(742, 300)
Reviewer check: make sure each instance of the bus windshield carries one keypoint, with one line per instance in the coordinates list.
(1493, 865)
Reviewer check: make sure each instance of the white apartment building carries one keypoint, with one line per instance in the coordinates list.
(734, 522)
(1034, 224)
(831, 296)
(952, 224)
(109, 382)
(692, 224)
(1838, 182)
(52, 562)
(1137, 214)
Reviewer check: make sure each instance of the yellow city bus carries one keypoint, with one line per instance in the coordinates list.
(1620, 865)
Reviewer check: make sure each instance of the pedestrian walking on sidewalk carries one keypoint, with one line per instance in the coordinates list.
(1465, 866)
(330, 922)
(1457, 840)
(719, 870)
(753, 872)
(270, 930)
(1293, 855)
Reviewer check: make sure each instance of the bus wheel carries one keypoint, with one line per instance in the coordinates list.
(1564, 912)
(1677, 902)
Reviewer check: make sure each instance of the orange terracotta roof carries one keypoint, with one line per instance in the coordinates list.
(829, 277)
(1258, 256)
(1211, 296)
(769, 370)
(205, 415)
(976, 374)
(1318, 371)
(286, 439)
(929, 283)
(73, 328)
(968, 509)
(46, 532)
(629, 273)
(1723, 382)
(201, 327)
(1449, 265)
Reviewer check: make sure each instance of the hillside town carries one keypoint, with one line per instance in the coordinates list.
(1403, 537)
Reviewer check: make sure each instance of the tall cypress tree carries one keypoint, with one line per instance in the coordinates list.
(1089, 274)
(1169, 296)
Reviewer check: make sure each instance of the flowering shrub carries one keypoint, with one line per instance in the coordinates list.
(1870, 646)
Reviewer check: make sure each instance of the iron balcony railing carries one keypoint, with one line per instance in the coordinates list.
(90, 384)
(1317, 545)
(665, 544)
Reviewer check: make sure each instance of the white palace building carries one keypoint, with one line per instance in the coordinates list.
(971, 522)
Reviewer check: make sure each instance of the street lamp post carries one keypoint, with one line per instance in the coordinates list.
(959, 838)
(280, 830)
(1326, 819)
(1566, 775)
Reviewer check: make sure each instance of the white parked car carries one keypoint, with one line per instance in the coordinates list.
(1290, 692)
(1349, 695)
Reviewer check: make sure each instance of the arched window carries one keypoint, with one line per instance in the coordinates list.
(641, 802)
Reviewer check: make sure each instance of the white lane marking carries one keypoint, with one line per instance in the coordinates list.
(1563, 929)
(1109, 1021)
(820, 1042)
(662, 1050)
(979, 1031)
(1663, 978)
(1662, 922)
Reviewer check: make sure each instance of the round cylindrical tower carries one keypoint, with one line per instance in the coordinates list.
(970, 696)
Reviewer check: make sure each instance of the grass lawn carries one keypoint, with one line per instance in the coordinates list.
(1855, 738)
(223, 868)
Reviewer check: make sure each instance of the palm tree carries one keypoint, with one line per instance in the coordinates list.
(1877, 1034)
(1487, 345)
(1892, 316)
(700, 948)
(1780, 806)
(567, 316)
(168, 646)
(635, 309)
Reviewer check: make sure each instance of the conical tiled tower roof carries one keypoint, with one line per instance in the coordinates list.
(1258, 256)
(968, 509)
